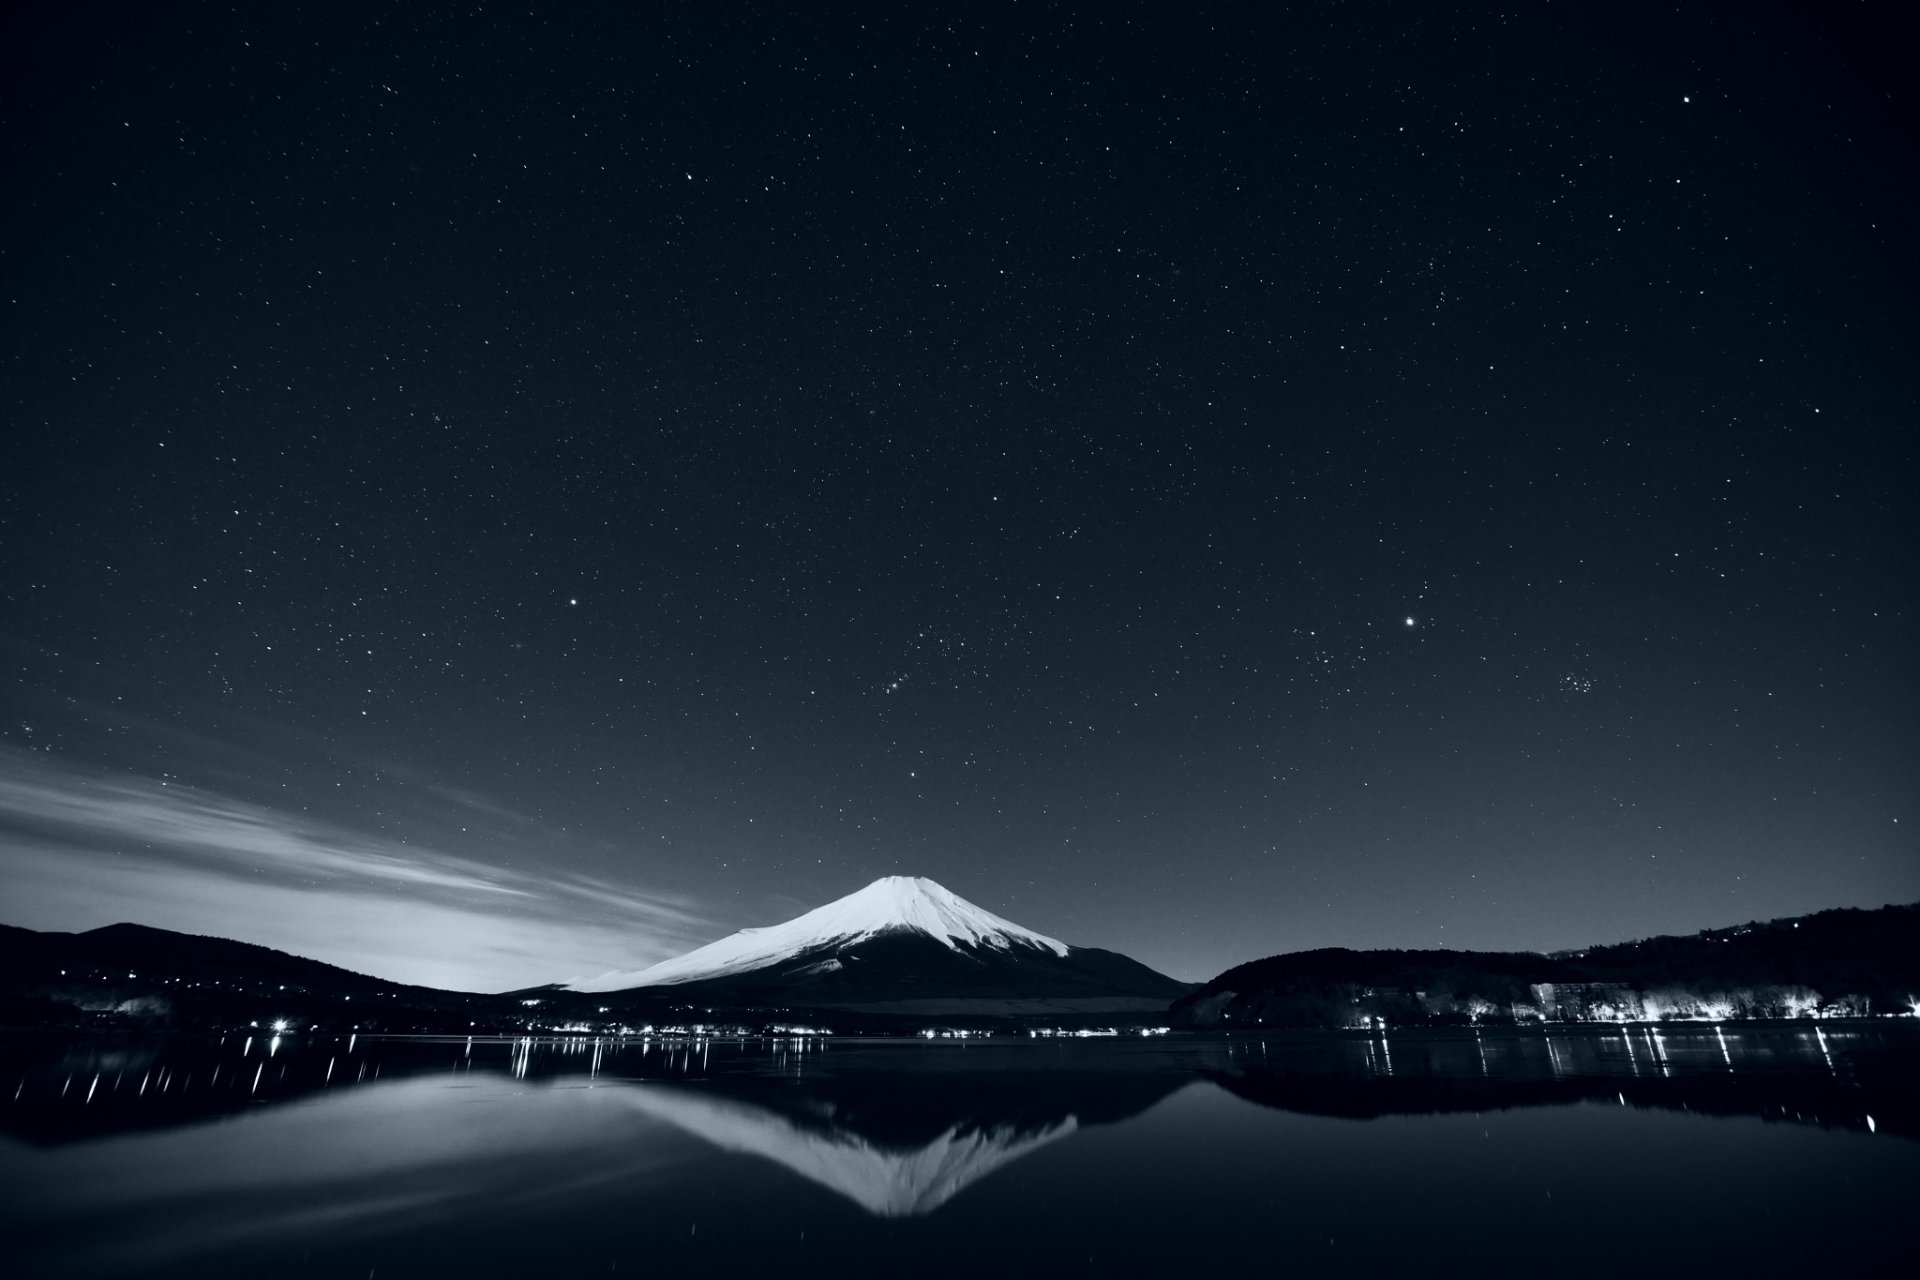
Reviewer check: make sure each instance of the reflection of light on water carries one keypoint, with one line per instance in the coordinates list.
(1633, 1059)
(1479, 1044)
(1722, 1038)
(1659, 1050)
(1553, 1057)
(1821, 1036)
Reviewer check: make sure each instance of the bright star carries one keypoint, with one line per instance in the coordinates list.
(1409, 621)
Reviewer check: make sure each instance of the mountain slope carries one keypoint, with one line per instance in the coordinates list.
(1839, 962)
(907, 945)
(121, 951)
(134, 974)
(892, 904)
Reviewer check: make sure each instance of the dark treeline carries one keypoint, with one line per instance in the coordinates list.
(1835, 963)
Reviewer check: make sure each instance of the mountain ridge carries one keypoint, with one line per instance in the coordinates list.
(904, 944)
(1841, 962)
(907, 904)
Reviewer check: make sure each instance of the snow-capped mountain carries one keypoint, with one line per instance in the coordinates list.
(898, 904)
(900, 939)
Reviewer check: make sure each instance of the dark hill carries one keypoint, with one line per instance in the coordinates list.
(1842, 962)
(130, 974)
(115, 948)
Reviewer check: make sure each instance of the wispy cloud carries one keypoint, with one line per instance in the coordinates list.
(82, 847)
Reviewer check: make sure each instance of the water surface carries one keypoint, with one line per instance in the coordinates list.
(1764, 1149)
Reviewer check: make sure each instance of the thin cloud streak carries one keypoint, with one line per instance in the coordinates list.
(81, 848)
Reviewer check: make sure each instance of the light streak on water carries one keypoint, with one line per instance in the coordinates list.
(1822, 1037)
(1724, 1055)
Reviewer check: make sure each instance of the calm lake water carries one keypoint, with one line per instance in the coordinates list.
(1780, 1150)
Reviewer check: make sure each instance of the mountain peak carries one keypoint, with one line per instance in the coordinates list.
(915, 902)
(891, 904)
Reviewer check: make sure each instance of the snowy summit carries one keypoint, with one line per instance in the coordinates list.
(892, 904)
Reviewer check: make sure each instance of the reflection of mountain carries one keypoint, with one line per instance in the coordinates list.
(90, 1087)
(900, 1129)
(1836, 1078)
(886, 1180)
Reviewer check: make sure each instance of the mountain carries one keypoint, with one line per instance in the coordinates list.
(103, 953)
(132, 974)
(890, 904)
(1834, 963)
(902, 945)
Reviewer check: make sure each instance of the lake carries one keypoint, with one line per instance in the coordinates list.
(1776, 1149)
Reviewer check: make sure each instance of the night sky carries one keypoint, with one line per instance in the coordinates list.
(492, 496)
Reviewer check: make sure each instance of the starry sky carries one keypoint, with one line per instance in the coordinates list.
(497, 493)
